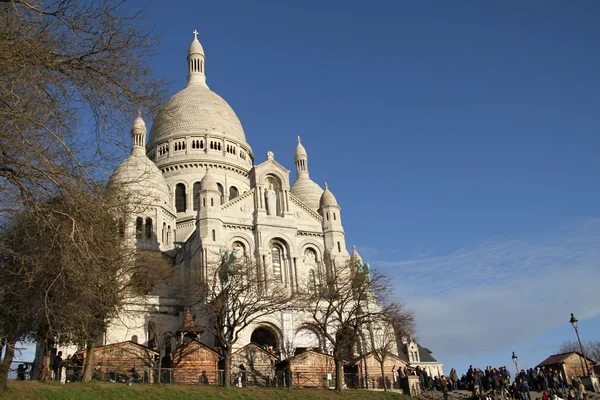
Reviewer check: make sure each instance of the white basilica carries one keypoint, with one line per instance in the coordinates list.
(203, 192)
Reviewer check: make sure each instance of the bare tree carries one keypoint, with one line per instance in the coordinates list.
(71, 75)
(591, 348)
(234, 297)
(341, 301)
(386, 328)
(66, 271)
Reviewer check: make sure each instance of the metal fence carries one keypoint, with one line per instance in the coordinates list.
(147, 375)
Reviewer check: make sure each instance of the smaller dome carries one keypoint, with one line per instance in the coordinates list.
(355, 257)
(139, 126)
(195, 47)
(139, 177)
(327, 198)
(300, 152)
(209, 182)
(308, 191)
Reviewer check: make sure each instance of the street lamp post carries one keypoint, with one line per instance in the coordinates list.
(575, 322)
(516, 361)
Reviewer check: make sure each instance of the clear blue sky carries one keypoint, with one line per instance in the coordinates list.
(460, 138)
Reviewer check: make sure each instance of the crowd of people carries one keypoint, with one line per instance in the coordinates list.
(496, 383)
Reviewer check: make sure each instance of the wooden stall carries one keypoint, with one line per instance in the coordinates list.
(310, 369)
(195, 363)
(570, 364)
(121, 357)
(257, 363)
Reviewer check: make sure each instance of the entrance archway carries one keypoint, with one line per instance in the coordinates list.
(266, 338)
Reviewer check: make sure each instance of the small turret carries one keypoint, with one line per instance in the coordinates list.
(209, 212)
(332, 223)
(304, 188)
(138, 135)
(196, 60)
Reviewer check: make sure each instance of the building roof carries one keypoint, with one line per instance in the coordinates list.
(127, 343)
(561, 358)
(196, 110)
(425, 354)
(327, 198)
(137, 176)
(254, 346)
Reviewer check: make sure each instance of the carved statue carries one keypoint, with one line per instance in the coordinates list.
(309, 258)
(271, 198)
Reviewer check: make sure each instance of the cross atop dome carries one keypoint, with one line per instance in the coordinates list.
(195, 34)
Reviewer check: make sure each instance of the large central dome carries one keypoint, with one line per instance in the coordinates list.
(196, 109)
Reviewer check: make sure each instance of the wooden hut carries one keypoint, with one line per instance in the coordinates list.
(121, 357)
(257, 363)
(570, 364)
(195, 363)
(368, 367)
(310, 369)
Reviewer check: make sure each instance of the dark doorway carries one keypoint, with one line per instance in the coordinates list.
(265, 338)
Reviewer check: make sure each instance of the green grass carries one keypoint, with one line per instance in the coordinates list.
(33, 390)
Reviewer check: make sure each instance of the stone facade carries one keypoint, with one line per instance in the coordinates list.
(203, 193)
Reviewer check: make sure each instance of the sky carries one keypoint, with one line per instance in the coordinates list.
(460, 138)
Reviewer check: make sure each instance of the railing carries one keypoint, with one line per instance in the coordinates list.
(272, 378)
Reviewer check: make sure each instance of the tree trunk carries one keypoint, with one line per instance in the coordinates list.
(159, 380)
(45, 367)
(227, 366)
(6, 362)
(89, 361)
(385, 388)
(339, 374)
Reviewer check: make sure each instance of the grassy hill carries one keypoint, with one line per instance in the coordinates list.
(34, 390)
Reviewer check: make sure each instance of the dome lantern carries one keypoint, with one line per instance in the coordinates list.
(304, 188)
(138, 134)
(196, 60)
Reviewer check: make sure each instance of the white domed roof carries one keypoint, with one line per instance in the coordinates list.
(137, 176)
(308, 191)
(196, 109)
(300, 152)
(209, 182)
(195, 47)
(327, 199)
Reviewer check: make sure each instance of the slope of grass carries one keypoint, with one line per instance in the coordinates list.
(33, 390)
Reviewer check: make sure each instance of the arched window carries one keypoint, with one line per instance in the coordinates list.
(148, 228)
(164, 232)
(196, 196)
(233, 193)
(276, 259)
(134, 339)
(180, 200)
(239, 250)
(139, 227)
(221, 193)
(169, 235)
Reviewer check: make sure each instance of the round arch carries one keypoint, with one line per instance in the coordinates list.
(307, 338)
(267, 335)
(278, 176)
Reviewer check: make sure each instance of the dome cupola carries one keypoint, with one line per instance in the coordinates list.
(137, 176)
(209, 182)
(305, 188)
(196, 128)
(327, 198)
